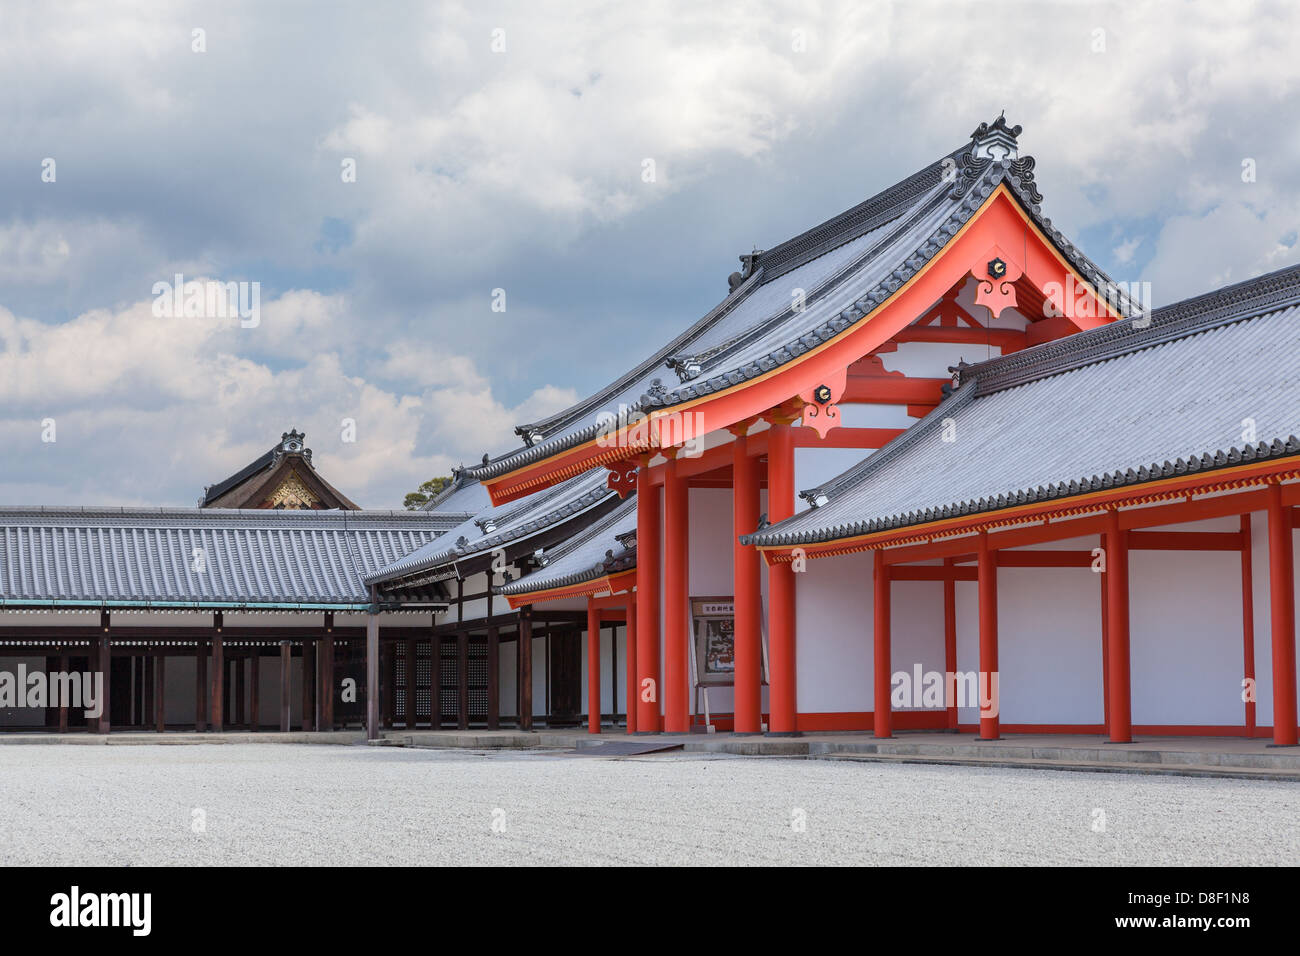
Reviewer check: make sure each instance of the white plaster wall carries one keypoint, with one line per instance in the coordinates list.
(833, 609)
(915, 627)
(1185, 637)
(1049, 645)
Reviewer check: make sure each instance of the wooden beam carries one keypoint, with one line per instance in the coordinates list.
(104, 648)
(372, 677)
(200, 685)
(308, 683)
(63, 701)
(218, 676)
(160, 692)
(525, 658)
(286, 685)
(494, 678)
(254, 688)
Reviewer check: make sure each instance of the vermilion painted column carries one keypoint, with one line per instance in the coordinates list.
(630, 654)
(593, 667)
(1281, 586)
(988, 600)
(648, 514)
(1248, 621)
(1120, 719)
(746, 572)
(677, 538)
(883, 719)
(780, 585)
(950, 633)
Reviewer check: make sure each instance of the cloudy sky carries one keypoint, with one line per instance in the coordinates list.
(501, 146)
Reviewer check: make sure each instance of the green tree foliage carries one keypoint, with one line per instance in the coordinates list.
(417, 499)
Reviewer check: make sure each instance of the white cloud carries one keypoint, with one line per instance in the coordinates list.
(143, 406)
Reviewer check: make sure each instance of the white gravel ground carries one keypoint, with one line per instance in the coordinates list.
(286, 804)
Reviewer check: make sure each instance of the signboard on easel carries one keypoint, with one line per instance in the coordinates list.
(713, 651)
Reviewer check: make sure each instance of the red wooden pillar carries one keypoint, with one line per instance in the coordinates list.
(950, 635)
(630, 654)
(1248, 621)
(648, 515)
(593, 667)
(1281, 586)
(882, 712)
(218, 697)
(1120, 718)
(746, 570)
(988, 601)
(1105, 642)
(780, 584)
(677, 539)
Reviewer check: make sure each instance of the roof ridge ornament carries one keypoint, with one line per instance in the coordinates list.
(996, 140)
(748, 263)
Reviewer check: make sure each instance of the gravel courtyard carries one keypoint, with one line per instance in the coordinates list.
(285, 804)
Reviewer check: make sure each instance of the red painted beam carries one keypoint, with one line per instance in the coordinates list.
(931, 572)
(1185, 541)
(1007, 339)
(879, 390)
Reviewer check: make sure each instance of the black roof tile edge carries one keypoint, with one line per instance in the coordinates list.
(1242, 300)
(1195, 463)
(594, 530)
(568, 508)
(986, 177)
(92, 515)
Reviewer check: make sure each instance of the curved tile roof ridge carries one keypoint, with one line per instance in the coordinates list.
(570, 504)
(1242, 300)
(541, 580)
(973, 185)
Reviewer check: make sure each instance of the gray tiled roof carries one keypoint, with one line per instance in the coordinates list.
(1114, 406)
(597, 550)
(117, 555)
(506, 524)
(857, 262)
